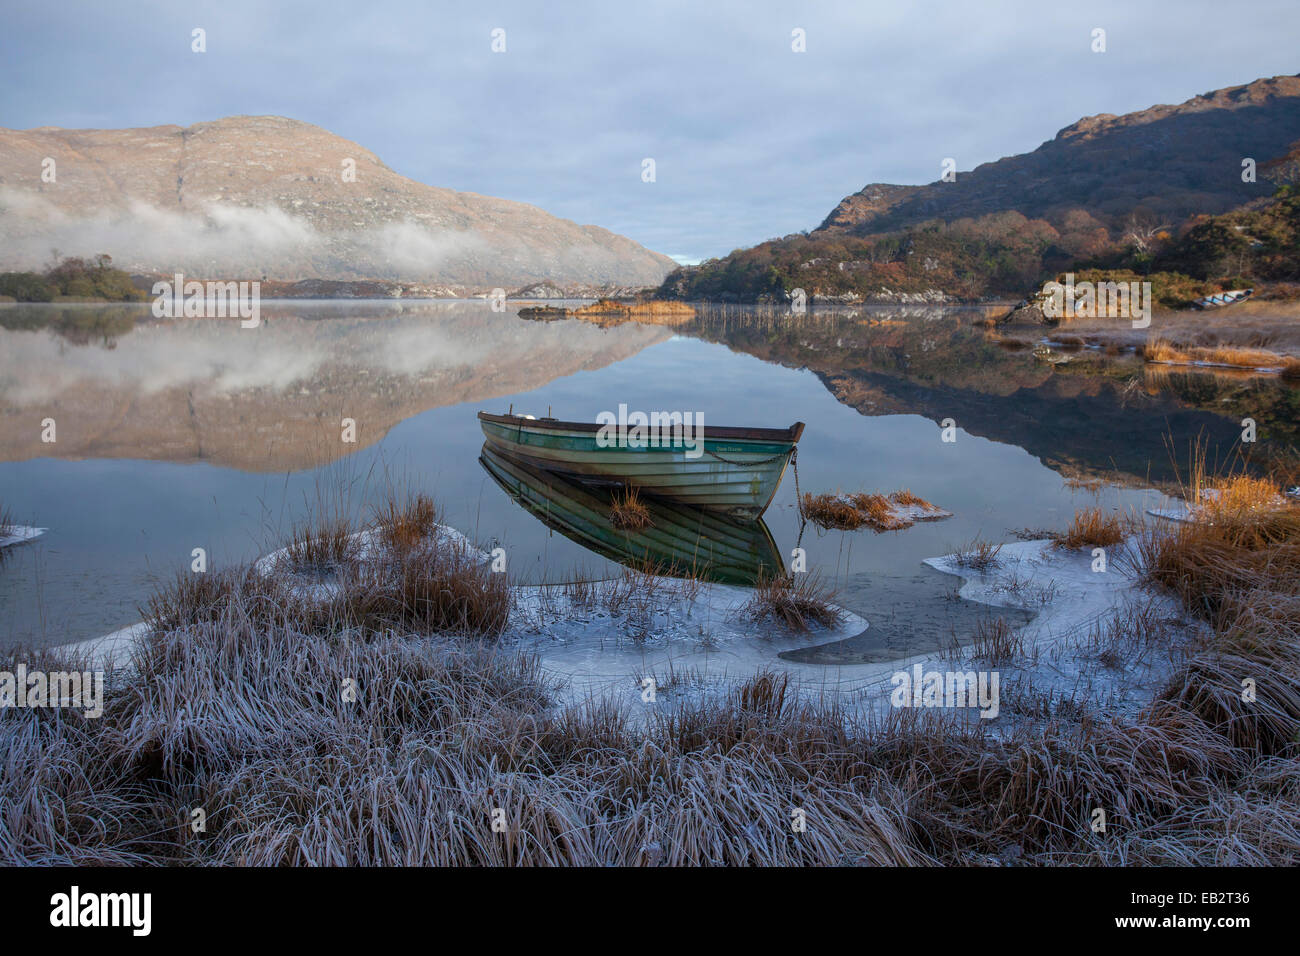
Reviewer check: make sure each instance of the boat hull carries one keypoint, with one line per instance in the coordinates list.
(680, 540)
(737, 473)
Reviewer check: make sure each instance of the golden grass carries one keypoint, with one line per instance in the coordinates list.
(323, 543)
(832, 511)
(1161, 350)
(628, 512)
(1240, 499)
(905, 497)
(650, 307)
(1236, 563)
(1091, 528)
(404, 524)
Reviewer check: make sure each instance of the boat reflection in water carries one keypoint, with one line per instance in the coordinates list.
(682, 540)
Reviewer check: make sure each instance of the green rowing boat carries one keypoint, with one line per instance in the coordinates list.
(735, 471)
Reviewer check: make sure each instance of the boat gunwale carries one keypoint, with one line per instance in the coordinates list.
(711, 432)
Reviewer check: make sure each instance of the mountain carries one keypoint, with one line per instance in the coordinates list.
(1114, 192)
(251, 196)
(1175, 161)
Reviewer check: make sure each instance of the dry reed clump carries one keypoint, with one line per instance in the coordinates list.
(796, 601)
(6, 521)
(832, 511)
(1243, 501)
(405, 524)
(414, 581)
(1091, 528)
(879, 512)
(628, 512)
(979, 555)
(322, 544)
(1236, 563)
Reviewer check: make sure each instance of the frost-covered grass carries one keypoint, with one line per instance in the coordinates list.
(314, 734)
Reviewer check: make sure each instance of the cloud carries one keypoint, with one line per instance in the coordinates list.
(751, 139)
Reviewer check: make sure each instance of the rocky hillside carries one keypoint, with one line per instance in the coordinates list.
(1108, 191)
(254, 196)
(1175, 161)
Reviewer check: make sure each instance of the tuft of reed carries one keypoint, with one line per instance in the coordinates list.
(831, 511)
(628, 512)
(1161, 350)
(979, 555)
(1091, 528)
(996, 643)
(322, 544)
(406, 523)
(905, 497)
(877, 512)
(795, 601)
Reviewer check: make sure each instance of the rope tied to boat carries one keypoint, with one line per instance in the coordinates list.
(762, 461)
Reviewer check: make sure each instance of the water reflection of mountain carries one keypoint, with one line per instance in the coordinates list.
(121, 384)
(680, 539)
(1094, 415)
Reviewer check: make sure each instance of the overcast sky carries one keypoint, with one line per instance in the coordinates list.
(750, 139)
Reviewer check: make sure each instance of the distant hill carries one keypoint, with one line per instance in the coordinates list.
(1175, 161)
(1108, 190)
(257, 196)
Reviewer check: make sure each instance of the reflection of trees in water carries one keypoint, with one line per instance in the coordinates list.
(926, 344)
(97, 325)
(1101, 415)
(1273, 403)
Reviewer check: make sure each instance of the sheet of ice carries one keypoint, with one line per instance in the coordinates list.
(1076, 596)
(690, 642)
(110, 650)
(17, 534)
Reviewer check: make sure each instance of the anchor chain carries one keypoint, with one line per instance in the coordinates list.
(794, 465)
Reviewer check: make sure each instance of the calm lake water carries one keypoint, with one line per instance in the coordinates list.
(179, 434)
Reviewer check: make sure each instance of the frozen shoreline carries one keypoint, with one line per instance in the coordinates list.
(696, 641)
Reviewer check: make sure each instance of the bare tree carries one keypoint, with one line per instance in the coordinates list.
(1142, 231)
